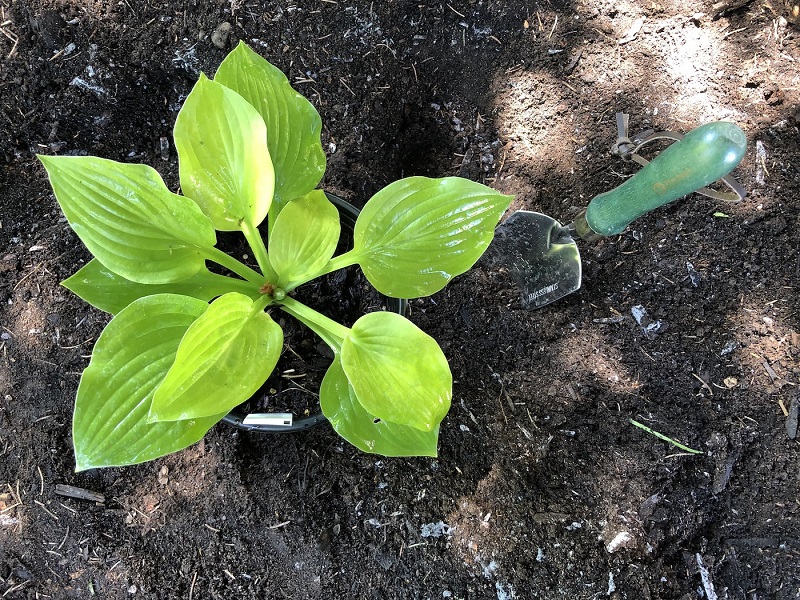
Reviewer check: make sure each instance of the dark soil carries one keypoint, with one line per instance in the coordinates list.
(542, 488)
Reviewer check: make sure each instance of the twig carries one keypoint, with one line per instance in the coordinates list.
(500, 395)
(79, 493)
(16, 588)
(44, 508)
(783, 407)
(341, 80)
(455, 11)
(770, 371)
(703, 383)
(553, 28)
(64, 541)
(730, 33)
(10, 506)
(191, 587)
(36, 268)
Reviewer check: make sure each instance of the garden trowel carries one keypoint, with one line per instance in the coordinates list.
(541, 253)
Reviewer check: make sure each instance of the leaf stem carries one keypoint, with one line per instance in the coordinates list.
(256, 242)
(337, 262)
(234, 284)
(262, 303)
(274, 211)
(230, 263)
(330, 331)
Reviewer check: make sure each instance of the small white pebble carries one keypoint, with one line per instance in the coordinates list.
(622, 538)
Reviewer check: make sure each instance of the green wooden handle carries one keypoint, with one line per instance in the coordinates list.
(704, 155)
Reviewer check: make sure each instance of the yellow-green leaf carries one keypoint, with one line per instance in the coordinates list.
(128, 219)
(416, 234)
(364, 430)
(225, 356)
(130, 359)
(398, 372)
(224, 162)
(304, 238)
(293, 124)
(104, 289)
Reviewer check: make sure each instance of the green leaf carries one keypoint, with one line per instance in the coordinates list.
(104, 289)
(721, 215)
(293, 124)
(398, 372)
(225, 356)
(362, 429)
(224, 162)
(415, 234)
(304, 238)
(130, 359)
(128, 219)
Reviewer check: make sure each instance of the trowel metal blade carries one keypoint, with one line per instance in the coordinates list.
(540, 255)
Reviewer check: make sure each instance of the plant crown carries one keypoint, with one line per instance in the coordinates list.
(186, 345)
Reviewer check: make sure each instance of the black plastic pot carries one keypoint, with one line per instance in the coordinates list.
(248, 421)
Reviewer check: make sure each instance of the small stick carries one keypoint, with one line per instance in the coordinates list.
(730, 33)
(79, 493)
(341, 80)
(44, 508)
(31, 272)
(554, 28)
(783, 407)
(455, 11)
(703, 383)
(191, 587)
(10, 506)
(15, 588)
(502, 387)
(64, 541)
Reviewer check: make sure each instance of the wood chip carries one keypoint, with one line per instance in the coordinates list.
(791, 420)
(633, 31)
(770, 371)
(705, 577)
(573, 61)
(79, 493)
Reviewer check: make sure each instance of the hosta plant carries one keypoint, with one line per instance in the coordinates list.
(187, 344)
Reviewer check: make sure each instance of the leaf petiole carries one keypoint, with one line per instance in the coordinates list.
(349, 258)
(256, 242)
(262, 303)
(230, 263)
(330, 331)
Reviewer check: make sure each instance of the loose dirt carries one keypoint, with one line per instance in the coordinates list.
(542, 488)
